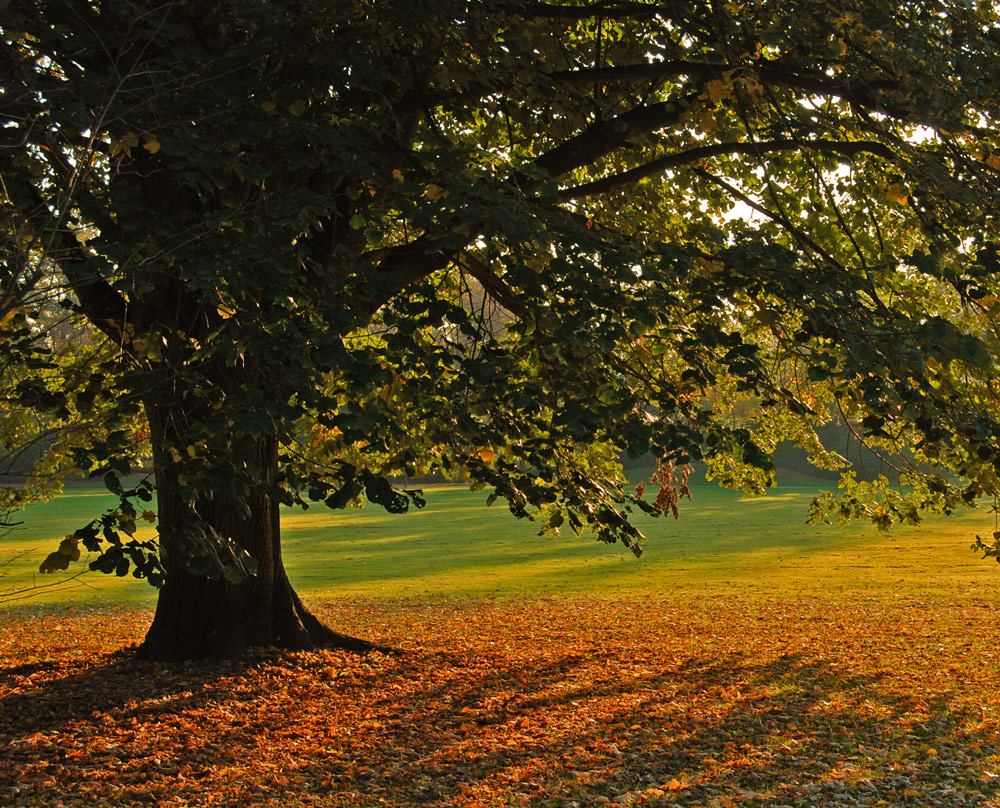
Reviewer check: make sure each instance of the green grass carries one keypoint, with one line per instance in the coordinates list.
(722, 544)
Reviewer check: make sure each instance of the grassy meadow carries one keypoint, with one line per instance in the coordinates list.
(456, 546)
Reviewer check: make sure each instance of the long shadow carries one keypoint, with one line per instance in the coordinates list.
(429, 728)
(696, 752)
(111, 684)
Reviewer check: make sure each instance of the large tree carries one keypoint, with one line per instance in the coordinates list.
(327, 242)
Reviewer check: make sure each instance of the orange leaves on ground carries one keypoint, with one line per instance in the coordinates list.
(550, 702)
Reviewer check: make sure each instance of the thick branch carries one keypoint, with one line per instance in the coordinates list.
(647, 71)
(606, 136)
(404, 264)
(864, 95)
(408, 263)
(843, 148)
(492, 285)
(102, 305)
(587, 10)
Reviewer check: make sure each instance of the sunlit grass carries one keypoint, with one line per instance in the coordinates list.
(722, 544)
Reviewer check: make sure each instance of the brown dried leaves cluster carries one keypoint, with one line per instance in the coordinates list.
(548, 702)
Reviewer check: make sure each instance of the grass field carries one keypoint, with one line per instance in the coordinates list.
(456, 546)
(747, 660)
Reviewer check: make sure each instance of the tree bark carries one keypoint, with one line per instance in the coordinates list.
(197, 617)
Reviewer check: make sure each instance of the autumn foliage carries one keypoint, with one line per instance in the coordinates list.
(569, 701)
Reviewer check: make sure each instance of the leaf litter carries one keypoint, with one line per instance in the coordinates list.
(558, 702)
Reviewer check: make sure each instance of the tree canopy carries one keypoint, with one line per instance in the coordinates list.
(318, 245)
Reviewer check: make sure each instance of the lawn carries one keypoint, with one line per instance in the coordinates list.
(745, 660)
(455, 546)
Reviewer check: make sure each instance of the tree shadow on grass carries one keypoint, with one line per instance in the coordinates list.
(491, 727)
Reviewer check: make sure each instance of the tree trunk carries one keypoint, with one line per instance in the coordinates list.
(197, 617)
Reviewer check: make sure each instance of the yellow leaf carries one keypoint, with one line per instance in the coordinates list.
(705, 121)
(152, 145)
(149, 516)
(7, 317)
(486, 454)
(993, 161)
(675, 785)
(717, 90)
(894, 193)
(434, 192)
(124, 144)
(910, 792)
(397, 174)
